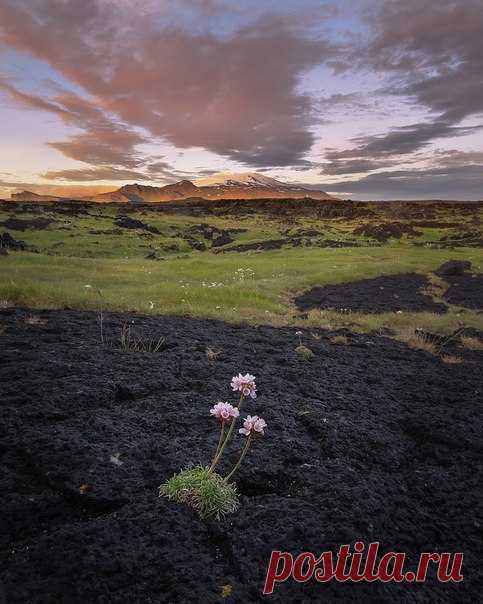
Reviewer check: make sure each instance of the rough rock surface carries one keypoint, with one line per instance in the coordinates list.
(452, 268)
(369, 441)
(382, 294)
(465, 290)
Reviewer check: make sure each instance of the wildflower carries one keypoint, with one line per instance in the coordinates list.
(201, 487)
(244, 384)
(224, 411)
(253, 424)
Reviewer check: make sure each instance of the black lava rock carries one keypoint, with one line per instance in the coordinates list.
(452, 268)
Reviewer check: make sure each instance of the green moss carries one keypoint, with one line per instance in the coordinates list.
(304, 353)
(205, 491)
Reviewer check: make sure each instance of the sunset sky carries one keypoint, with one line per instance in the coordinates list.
(369, 99)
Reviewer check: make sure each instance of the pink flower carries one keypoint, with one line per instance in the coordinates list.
(244, 384)
(253, 424)
(224, 411)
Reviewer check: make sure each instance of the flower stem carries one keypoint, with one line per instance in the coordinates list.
(225, 442)
(243, 453)
(220, 440)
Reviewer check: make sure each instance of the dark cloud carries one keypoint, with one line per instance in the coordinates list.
(433, 53)
(453, 174)
(376, 152)
(156, 171)
(353, 166)
(436, 51)
(234, 95)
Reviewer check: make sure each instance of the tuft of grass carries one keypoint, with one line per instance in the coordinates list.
(304, 353)
(436, 288)
(344, 340)
(213, 353)
(205, 491)
(130, 342)
(371, 323)
(471, 342)
(34, 320)
(451, 359)
(418, 339)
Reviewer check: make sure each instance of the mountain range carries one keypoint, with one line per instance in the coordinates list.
(246, 185)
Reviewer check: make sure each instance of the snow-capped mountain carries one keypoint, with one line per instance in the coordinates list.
(246, 185)
(246, 179)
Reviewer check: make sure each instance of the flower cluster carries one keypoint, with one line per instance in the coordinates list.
(201, 487)
(244, 384)
(224, 411)
(241, 274)
(253, 424)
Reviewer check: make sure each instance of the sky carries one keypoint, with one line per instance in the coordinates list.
(365, 99)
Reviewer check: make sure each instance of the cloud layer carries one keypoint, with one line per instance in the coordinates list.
(255, 84)
(235, 95)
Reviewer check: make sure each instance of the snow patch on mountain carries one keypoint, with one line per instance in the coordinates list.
(246, 179)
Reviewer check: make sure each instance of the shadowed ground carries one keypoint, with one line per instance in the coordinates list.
(369, 441)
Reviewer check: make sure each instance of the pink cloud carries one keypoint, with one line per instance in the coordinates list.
(234, 95)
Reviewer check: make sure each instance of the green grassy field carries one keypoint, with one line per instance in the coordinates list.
(79, 269)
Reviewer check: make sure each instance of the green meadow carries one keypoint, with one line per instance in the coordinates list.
(87, 262)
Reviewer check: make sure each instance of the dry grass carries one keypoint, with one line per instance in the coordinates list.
(339, 340)
(436, 288)
(4, 303)
(304, 352)
(418, 339)
(213, 353)
(471, 342)
(132, 343)
(373, 323)
(450, 359)
(34, 320)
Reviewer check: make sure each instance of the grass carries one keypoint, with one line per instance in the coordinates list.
(418, 339)
(450, 359)
(34, 320)
(205, 285)
(206, 492)
(130, 342)
(237, 287)
(213, 353)
(339, 340)
(304, 353)
(443, 324)
(471, 342)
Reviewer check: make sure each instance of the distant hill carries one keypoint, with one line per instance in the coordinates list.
(246, 185)
(29, 196)
(144, 193)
